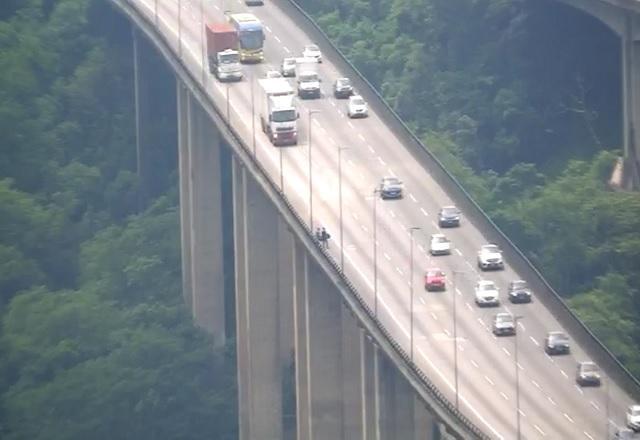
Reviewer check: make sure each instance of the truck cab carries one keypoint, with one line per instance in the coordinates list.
(222, 53)
(278, 112)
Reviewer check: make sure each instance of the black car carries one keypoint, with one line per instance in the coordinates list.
(449, 216)
(342, 88)
(519, 292)
(556, 343)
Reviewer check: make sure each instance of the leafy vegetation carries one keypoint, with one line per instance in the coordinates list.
(510, 96)
(94, 339)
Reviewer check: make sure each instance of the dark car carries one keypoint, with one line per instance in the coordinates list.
(254, 2)
(342, 88)
(519, 292)
(588, 374)
(449, 216)
(556, 343)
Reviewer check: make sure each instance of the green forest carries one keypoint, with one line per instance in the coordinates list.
(520, 99)
(95, 342)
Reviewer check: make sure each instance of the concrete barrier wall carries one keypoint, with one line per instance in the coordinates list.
(515, 258)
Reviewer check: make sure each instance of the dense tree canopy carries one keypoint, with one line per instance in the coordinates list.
(95, 342)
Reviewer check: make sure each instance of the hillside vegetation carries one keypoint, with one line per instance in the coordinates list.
(95, 342)
(521, 100)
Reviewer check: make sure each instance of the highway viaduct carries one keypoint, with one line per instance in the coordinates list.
(623, 18)
(298, 318)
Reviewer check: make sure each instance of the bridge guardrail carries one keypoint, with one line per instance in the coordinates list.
(128, 6)
(516, 259)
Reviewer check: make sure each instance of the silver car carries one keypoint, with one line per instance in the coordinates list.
(390, 188)
(288, 67)
(504, 324)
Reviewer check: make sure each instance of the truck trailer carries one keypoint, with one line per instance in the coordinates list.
(222, 52)
(278, 112)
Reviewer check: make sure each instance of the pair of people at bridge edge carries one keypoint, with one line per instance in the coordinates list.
(323, 237)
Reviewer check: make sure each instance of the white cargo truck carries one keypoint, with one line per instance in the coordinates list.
(278, 112)
(307, 78)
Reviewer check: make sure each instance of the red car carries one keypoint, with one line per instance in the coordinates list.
(434, 279)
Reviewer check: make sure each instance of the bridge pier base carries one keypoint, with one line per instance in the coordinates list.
(200, 216)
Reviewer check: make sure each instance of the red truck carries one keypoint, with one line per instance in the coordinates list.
(222, 53)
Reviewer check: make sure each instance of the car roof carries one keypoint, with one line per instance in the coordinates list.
(390, 178)
(504, 315)
(312, 46)
(354, 97)
(438, 236)
(486, 283)
(556, 333)
(434, 269)
(449, 207)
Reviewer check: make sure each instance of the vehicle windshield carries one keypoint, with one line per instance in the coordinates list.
(450, 211)
(273, 74)
(289, 62)
(435, 273)
(589, 368)
(357, 101)
(635, 411)
(558, 337)
(504, 319)
(490, 248)
(312, 48)
(343, 82)
(440, 239)
(229, 58)
(307, 77)
(519, 285)
(487, 286)
(251, 39)
(390, 181)
(284, 115)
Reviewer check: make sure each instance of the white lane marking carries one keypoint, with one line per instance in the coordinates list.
(566, 416)
(361, 137)
(217, 7)
(371, 148)
(489, 380)
(392, 214)
(536, 384)
(434, 224)
(469, 306)
(522, 413)
(350, 124)
(387, 256)
(595, 405)
(579, 390)
(424, 212)
(365, 229)
(458, 252)
(333, 141)
(534, 341)
(423, 301)
(466, 402)
(382, 162)
(268, 28)
(520, 366)
(332, 103)
(399, 270)
(391, 173)
(540, 430)
(506, 351)
(433, 315)
(564, 374)
(421, 248)
(277, 39)
(402, 226)
(521, 326)
(286, 49)
(446, 332)
(474, 363)
(553, 402)
(412, 197)
(550, 358)
(587, 434)
(504, 396)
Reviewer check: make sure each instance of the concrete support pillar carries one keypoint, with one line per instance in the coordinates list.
(260, 366)
(142, 111)
(631, 99)
(201, 216)
(353, 378)
(318, 342)
(402, 415)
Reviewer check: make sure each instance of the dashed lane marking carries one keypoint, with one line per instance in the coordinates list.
(399, 270)
(361, 137)
(595, 405)
(277, 39)
(412, 197)
(544, 434)
(489, 380)
(566, 416)
(387, 256)
(268, 28)
(504, 396)
(534, 341)
(587, 435)
(286, 49)
(506, 351)
(553, 402)
(458, 252)
(371, 148)
(564, 374)
(424, 212)
(474, 363)
(382, 162)
(536, 384)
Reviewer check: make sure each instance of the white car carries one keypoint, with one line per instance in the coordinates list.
(312, 51)
(439, 245)
(288, 67)
(357, 107)
(273, 74)
(633, 417)
(490, 257)
(504, 324)
(487, 293)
